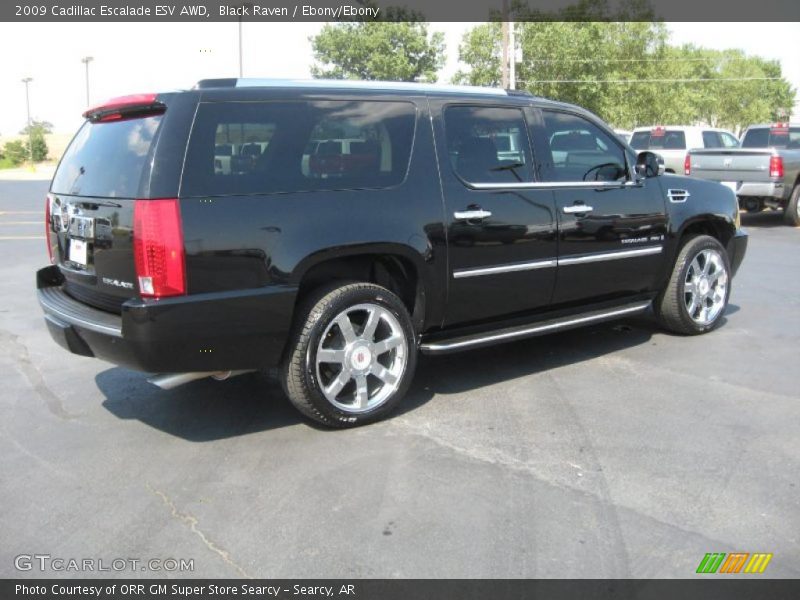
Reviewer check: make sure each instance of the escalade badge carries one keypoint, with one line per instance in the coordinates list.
(117, 283)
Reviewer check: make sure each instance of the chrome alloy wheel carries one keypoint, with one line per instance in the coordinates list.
(706, 287)
(361, 358)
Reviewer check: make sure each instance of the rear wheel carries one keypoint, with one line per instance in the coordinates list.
(791, 213)
(695, 298)
(352, 357)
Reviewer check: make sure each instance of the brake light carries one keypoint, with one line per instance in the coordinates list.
(158, 248)
(48, 226)
(687, 165)
(122, 106)
(776, 167)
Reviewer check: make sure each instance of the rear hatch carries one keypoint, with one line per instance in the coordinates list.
(92, 197)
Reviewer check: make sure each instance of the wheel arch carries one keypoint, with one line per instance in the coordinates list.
(397, 267)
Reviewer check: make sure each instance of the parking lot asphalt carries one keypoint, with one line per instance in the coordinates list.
(612, 451)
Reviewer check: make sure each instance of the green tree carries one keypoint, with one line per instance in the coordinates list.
(621, 66)
(394, 51)
(38, 146)
(15, 152)
(38, 126)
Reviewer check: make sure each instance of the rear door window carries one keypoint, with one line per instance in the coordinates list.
(107, 159)
(298, 146)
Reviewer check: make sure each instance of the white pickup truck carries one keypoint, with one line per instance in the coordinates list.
(764, 172)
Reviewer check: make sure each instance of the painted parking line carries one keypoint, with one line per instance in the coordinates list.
(20, 212)
(19, 223)
(21, 237)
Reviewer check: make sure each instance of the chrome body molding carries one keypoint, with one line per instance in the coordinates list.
(531, 330)
(540, 185)
(510, 268)
(616, 255)
(555, 262)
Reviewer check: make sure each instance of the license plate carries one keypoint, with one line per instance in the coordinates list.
(77, 251)
(730, 184)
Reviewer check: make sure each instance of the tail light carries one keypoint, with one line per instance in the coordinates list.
(158, 248)
(687, 165)
(48, 227)
(776, 167)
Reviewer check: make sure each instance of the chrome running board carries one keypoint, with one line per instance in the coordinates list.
(530, 330)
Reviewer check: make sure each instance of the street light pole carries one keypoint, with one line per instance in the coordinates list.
(86, 60)
(26, 81)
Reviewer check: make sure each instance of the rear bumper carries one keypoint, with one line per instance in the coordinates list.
(761, 189)
(737, 248)
(222, 331)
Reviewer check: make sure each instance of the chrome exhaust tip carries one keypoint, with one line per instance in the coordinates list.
(168, 381)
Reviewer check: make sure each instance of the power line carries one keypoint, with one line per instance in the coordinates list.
(694, 80)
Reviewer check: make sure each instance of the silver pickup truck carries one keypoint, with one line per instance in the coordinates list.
(764, 171)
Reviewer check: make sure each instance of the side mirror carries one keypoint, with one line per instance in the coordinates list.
(649, 164)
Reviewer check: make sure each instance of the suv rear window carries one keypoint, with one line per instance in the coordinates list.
(767, 137)
(106, 159)
(298, 146)
(669, 139)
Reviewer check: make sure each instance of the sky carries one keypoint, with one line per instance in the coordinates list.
(151, 57)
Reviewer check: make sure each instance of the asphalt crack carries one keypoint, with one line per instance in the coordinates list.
(192, 523)
(19, 354)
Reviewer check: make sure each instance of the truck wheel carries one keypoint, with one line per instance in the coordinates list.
(754, 205)
(695, 298)
(791, 213)
(352, 355)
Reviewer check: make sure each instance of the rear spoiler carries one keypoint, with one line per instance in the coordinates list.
(125, 107)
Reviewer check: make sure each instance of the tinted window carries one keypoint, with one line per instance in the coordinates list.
(580, 151)
(711, 140)
(765, 137)
(298, 146)
(488, 144)
(659, 139)
(106, 159)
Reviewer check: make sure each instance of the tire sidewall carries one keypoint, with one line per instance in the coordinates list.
(792, 210)
(371, 294)
(689, 252)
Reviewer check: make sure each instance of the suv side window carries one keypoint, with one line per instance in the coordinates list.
(263, 147)
(580, 151)
(487, 144)
(711, 140)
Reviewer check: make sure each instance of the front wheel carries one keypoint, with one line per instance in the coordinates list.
(791, 213)
(695, 298)
(352, 357)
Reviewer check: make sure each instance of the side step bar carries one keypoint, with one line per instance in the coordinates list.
(530, 330)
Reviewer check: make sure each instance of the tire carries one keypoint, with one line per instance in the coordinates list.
(688, 306)
(754, 205)
(344, 378)
(791, 214)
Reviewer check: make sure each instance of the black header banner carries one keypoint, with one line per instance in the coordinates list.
(727, 587)
(398, 10)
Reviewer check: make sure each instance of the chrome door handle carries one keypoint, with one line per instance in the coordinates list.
(577, 208)
(471, 215)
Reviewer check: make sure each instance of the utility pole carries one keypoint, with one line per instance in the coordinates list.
(504, 64)
(26, 81)
(86, 60)
(512, 57)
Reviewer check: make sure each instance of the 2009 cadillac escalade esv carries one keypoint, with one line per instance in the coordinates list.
(213, 230)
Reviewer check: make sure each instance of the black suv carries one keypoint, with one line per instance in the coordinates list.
(334, 229)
